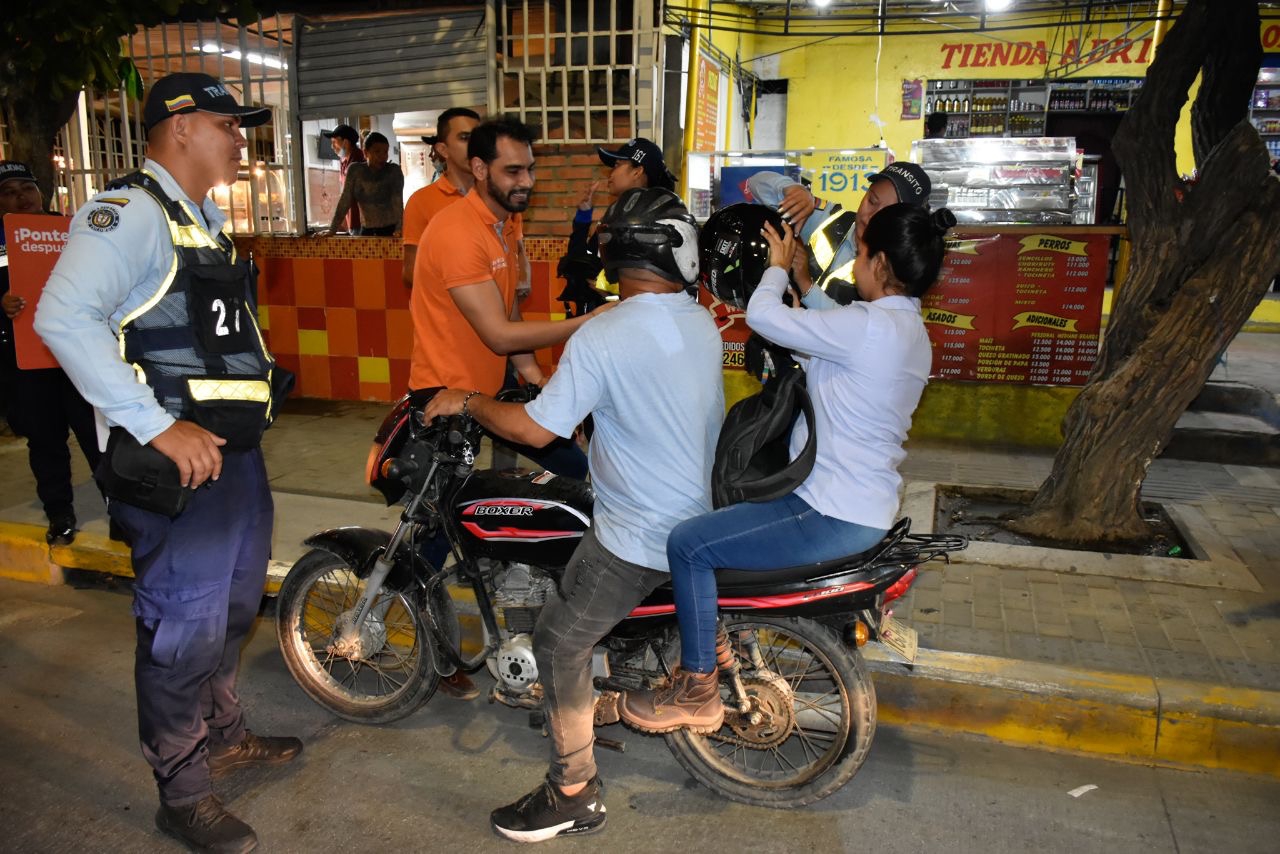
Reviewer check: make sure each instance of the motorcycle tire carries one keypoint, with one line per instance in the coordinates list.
(825, 718)
(375, 689)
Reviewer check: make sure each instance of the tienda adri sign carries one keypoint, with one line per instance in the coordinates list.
(988, 54)
(1105, 51)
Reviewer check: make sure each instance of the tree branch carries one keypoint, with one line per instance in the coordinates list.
(1229, 75)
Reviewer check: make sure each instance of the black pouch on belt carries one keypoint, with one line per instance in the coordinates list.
(140, 475)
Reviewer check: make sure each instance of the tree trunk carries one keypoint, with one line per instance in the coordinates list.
(33, 125)
(1204, 255)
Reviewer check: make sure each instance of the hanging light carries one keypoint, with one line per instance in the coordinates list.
(822, 4)
(998, 5)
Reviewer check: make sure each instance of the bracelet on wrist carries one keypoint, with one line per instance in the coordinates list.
(466, 404)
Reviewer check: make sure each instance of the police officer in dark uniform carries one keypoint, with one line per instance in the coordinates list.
(152, 316)
(40, 404)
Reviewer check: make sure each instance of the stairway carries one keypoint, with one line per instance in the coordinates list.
(1229, 422)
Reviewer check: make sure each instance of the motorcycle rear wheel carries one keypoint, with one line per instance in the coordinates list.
(378, 688)
(828, 726)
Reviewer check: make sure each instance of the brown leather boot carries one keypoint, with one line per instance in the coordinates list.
(254, 750)
(688, 701)
(207, 826)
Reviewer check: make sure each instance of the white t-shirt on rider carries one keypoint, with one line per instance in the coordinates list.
(649, 372)
(866, 365)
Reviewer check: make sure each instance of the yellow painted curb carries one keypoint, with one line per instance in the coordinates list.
(1021, 703)
(95, 553)
(1219, 727)
(24, 556)
(1265, 316)
(1119, 716)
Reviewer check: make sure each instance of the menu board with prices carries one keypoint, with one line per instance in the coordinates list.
(1021, 307)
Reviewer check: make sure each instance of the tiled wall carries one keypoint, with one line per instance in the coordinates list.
(335, 312)
(334, 309)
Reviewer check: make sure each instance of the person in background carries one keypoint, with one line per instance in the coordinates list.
(449, 147)
(376, 187)
(346, 144)
(831, 232)
(149, 310)
(41, 405)
(639, 163)
(935, 126)
(866, 365)
(649, 371)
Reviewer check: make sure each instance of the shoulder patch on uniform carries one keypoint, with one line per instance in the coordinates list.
(113, 200)
(103, 219)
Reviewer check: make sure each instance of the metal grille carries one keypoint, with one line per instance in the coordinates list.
(106, 139)
(581, 70)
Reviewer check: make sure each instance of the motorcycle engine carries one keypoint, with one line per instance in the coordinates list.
(515, 665)
(520, 591)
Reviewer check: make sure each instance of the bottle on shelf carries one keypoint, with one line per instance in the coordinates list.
(964, 105)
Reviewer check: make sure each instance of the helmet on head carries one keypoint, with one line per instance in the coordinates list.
(734, 254)
(650, 228)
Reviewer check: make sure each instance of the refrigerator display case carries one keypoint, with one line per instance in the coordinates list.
(1021, 181)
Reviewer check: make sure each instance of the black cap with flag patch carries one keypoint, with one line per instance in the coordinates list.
(188, 92)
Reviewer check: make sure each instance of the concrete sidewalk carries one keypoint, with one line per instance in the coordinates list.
(1167, 661)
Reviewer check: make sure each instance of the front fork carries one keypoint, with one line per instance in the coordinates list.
(370, 601)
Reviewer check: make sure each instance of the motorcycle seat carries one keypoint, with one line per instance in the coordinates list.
(730, 580)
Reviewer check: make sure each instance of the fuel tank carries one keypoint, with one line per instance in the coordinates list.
(531, 517)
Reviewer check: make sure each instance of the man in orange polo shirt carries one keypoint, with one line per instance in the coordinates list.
(453, 130)
(466, 313)
(466, 318)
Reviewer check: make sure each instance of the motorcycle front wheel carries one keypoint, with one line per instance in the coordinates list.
(392, 672)
(812, 717)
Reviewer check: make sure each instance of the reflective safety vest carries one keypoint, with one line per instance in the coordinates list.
(835, 279)
(196, 341)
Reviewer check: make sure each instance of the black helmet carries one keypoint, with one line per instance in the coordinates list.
(650, 228)
(734, 253)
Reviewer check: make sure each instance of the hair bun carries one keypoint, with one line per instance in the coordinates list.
(943, 219)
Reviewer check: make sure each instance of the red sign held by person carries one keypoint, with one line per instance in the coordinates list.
(33, 243)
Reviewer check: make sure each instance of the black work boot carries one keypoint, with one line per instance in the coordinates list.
(206, 826)
(546, 813)
(254, 750)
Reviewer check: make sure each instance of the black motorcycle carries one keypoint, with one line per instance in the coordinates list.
(364, 619)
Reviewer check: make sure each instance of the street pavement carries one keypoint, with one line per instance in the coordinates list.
(1011, 622)
(73, 778)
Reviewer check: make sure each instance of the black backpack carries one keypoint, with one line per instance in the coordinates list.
(751, 462)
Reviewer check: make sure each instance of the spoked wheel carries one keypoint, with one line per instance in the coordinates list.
(810, 723)
(375, 673)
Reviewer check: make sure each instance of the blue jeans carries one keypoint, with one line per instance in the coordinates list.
(769, 535)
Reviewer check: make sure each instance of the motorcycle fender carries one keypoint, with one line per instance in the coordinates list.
(358, 548)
